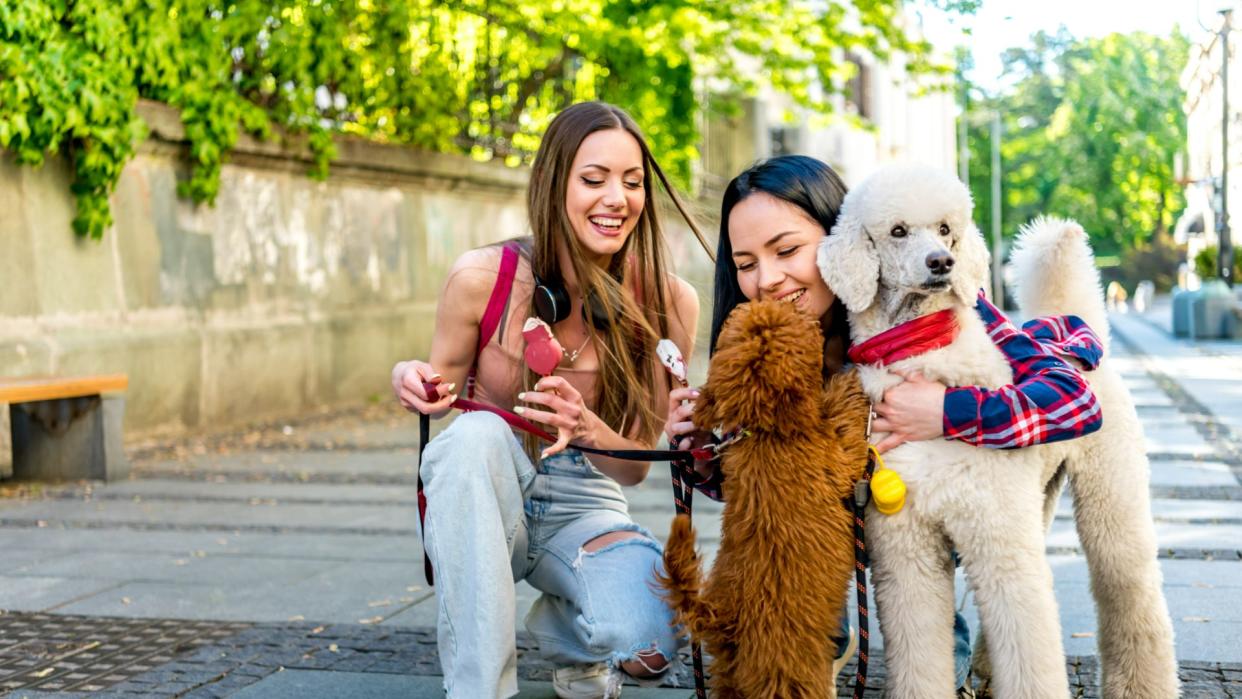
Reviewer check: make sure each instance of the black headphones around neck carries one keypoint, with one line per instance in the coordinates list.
(552, 304)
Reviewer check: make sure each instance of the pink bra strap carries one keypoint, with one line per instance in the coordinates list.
(495, 305)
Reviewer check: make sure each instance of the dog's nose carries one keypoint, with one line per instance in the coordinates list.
(940, 262)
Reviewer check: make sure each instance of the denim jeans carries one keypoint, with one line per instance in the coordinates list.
(961, 649)
(494, 518)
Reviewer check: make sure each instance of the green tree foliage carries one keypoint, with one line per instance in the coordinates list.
(1091, 129)
(481, 77)
(1207, 263)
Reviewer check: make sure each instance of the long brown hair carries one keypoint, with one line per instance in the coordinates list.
(634, 288)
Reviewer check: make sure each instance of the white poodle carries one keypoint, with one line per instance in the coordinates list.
(904, 247)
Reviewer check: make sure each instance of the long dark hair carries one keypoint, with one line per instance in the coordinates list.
(636, 284)
(807, 183)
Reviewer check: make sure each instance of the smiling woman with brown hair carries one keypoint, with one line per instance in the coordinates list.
(595, 271)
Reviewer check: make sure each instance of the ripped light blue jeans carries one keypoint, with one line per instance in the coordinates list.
(494, 518)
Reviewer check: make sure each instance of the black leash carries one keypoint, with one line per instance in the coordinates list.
(862, 493)
(683, 496)
(424, 429)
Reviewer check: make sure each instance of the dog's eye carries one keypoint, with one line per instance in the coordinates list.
(944, 229)
(898, 231)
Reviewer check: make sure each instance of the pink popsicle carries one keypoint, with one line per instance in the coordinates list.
(543, 353)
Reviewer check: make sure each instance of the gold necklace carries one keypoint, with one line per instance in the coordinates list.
(573, 356)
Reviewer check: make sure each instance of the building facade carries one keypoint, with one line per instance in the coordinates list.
(898, 119)
(1206, 168)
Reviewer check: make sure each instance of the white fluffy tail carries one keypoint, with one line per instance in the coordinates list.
(1055, 273)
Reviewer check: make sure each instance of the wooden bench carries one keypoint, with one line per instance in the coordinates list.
(62, 428)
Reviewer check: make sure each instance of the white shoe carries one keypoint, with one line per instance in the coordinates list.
(588, 681)
(844, 654)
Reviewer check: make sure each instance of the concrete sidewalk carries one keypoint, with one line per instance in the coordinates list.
(284, 561)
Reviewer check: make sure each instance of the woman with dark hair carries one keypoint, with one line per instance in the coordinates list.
(498, 510)
(772, 220)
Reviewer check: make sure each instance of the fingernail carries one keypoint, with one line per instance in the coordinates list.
(543, 455)
(522, 396)
(435, 377)
(695, 393)
(452, 386)
(519, 410)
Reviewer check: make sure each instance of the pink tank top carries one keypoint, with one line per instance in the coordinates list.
(497, 375)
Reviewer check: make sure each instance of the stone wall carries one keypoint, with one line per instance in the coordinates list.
(288, 294)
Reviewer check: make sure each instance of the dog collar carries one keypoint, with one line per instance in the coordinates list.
(912, 338)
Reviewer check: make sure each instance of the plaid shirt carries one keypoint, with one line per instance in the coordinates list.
(1048, 402)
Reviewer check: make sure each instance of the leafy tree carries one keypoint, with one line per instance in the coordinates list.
(481, 77)
(1090, 131)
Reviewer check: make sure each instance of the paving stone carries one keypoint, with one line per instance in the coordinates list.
(184, 568)
(21, 593)
(1168, 536)
(338, 547)
(294, 466)
(165, 488)
(226, 515)
(17, 559)
(1188, 472)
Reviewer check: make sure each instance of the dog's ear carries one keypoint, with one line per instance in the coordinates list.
(849, 263)
(971, 271)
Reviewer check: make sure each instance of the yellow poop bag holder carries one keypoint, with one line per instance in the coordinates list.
(888, 491)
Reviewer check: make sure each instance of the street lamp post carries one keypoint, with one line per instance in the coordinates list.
(1225, 248)
(963, 142)
(998, 286)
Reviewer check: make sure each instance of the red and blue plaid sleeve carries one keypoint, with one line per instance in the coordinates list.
(1048, 402)
(1067, 336)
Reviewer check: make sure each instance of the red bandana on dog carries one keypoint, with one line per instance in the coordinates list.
(923, 334)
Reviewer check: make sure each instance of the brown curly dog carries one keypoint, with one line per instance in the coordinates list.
(777, 589)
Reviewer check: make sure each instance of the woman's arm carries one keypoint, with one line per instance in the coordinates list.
(1049, 400)
(455, 338)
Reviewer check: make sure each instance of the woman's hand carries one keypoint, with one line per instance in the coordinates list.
(565, 411)
(681, 431)
(680, 413)
(911, 411)
(408, 383)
